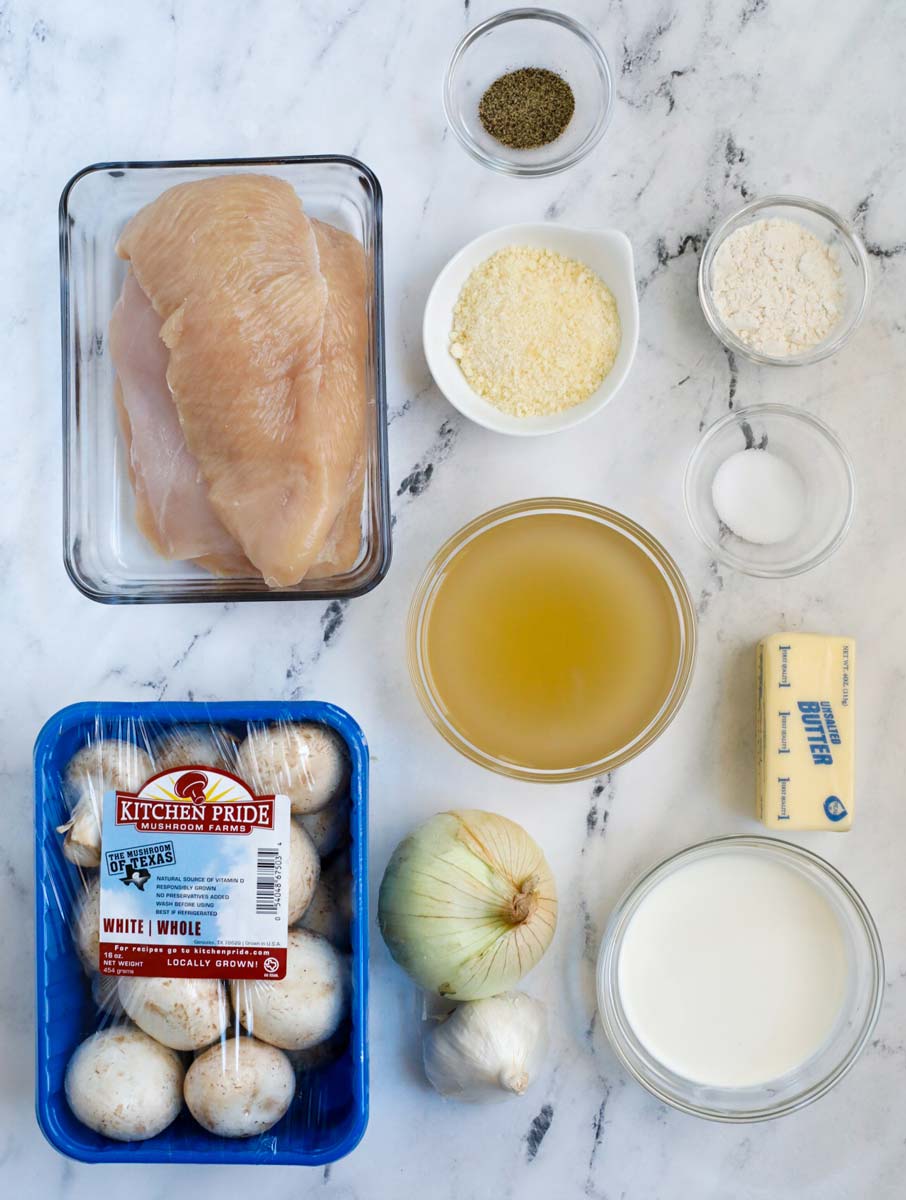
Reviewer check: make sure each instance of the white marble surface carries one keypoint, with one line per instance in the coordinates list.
(715, 102)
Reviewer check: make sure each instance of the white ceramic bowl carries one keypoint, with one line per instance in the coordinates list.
(607, 252)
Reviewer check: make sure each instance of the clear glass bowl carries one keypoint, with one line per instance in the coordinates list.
(823, 465)
(814, 1077)
(529, 37)
(420, 612)
(105, 554)
(829, 227)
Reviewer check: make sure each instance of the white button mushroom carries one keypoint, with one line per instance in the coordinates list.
(106, 996)
(124, 1085)
(306, 761)
(328, 827)
(82, 843)
(239, 1087)
(86, 933)
(187, 1014)
(320, 1055)
(305, 1007)
(330, 911)
(192, 746)
(304, 870)
(87, 924)
(103, 765)
(106, 764)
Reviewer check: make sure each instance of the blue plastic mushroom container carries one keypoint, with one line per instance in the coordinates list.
(329, 1112)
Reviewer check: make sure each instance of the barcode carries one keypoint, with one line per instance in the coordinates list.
(267, 892)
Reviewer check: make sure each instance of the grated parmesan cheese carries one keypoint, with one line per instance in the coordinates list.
(777, 287)
(534, 332)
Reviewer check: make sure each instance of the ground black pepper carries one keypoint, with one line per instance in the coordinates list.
(527, 108)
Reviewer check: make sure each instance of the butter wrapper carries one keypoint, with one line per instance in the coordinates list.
(805, 734)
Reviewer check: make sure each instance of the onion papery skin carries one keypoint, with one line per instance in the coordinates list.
(467, 904)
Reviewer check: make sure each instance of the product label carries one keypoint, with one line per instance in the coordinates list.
(821, 732)
(194, 878)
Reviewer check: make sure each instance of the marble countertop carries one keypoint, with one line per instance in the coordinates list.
(715, 103)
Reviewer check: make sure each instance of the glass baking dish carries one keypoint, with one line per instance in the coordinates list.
(105, 554)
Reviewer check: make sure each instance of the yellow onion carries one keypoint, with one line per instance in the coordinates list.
(467, 904)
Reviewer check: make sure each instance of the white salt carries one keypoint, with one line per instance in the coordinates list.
(759, 496)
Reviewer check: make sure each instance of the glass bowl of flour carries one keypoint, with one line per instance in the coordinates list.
(785, 281)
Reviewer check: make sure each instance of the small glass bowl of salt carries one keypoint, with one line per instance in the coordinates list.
(770, 491)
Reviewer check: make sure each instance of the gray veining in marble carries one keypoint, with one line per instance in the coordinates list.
(716, 102)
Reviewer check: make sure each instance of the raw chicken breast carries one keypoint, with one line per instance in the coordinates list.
(344, 542)
(172, 506)
(343, 351)
(144, 517)
(232, 266)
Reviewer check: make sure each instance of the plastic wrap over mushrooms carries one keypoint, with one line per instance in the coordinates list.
(226, 1053)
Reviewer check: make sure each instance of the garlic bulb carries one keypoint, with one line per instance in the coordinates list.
(487, 1049)
(467, 904)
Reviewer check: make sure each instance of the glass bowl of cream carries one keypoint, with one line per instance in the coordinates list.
(785, 281)
(740, 979)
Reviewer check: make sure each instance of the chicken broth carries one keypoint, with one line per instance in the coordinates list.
(552, 641)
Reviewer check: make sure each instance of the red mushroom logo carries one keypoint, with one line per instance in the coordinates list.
(191, 786)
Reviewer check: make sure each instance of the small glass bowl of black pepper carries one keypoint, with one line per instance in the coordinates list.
(528, 92)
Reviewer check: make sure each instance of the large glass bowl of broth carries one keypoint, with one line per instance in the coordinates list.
(551, 640)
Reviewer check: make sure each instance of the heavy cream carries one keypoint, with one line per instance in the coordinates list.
(733, 969)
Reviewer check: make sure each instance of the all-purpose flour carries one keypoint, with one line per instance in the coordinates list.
(777, 287)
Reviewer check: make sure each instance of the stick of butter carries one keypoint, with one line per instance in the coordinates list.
(805, 731)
